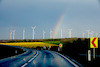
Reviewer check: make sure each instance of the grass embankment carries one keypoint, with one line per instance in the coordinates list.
(7, 51)
(29, 44)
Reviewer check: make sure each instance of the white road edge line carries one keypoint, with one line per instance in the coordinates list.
(30, 60)
(69, 61)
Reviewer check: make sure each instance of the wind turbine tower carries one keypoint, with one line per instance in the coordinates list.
(88, 33)
(13, 34)
(83, 34)
(92, 33)
(44, 34)
(23, 34)
(96, 34)
(33, 31)
(70, 32)
(50, 33)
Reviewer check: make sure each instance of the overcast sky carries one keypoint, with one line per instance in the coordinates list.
(80, 15)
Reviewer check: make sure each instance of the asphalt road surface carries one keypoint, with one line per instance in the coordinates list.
(37, 58)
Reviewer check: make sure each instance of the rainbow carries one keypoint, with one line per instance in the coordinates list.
(59, 23)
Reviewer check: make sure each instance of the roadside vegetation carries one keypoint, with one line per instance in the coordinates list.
(6, 51)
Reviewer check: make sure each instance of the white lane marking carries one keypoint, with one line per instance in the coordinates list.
(24, 65)
(33, 57)
(30, 60)
(24, 59)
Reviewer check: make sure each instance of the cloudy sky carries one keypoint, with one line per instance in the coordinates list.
(79, 15)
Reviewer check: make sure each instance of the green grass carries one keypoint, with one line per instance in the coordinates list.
(52, 42)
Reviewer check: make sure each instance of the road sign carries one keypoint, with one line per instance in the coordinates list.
(60, 45)
(49, 46)
(94, 42)
(44, 47)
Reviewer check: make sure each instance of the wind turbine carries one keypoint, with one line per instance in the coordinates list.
(88, 33)
(44, 34)
(50, 33)
(33, 31)
(70, 32)
(83, 34)
(23, 34)
(92, 33)
(96, 34)
(13, 34)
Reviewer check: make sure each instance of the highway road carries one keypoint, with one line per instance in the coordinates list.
(37, 58)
